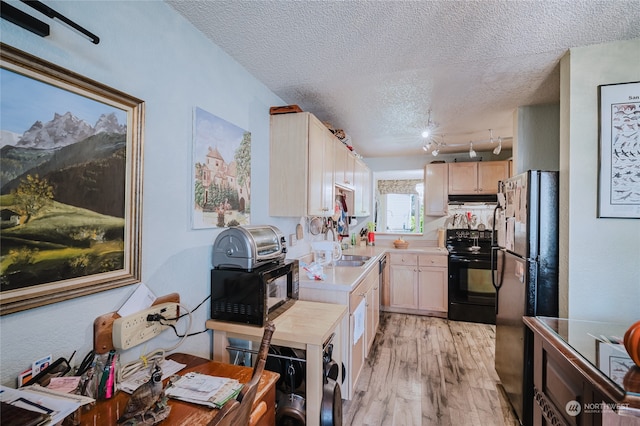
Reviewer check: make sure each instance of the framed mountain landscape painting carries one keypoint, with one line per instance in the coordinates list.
(70, 184)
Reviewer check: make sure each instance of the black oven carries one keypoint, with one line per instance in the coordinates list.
(472, 296)
(256, 296)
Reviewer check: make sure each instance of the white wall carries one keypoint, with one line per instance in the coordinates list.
(149, 51)
(599, 258)
(536, 138)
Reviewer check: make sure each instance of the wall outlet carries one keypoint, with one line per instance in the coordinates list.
(134, 329)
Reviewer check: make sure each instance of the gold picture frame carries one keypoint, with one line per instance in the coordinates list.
(87, 179)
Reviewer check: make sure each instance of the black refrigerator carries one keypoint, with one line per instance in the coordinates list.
(526, 277)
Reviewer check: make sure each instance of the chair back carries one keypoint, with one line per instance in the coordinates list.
(238, 412)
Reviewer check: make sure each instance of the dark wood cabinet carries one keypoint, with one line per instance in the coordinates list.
(570, 385)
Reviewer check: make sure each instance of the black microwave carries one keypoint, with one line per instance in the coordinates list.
(254, 297)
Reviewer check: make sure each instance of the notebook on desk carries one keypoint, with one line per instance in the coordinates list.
(13, 415)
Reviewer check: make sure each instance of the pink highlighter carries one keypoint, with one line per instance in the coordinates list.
(110, 380)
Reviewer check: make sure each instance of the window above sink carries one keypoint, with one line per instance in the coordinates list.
(400, 202)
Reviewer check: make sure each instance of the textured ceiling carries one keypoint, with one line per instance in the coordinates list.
(375, 68)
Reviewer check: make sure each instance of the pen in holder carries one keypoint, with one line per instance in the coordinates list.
(105, 375)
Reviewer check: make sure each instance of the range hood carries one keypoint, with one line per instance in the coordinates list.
(473, 198)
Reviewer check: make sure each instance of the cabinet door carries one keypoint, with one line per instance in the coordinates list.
(350, 168)
(436, 189)
(376, 309)
(403, 286)
(372, 300)
(320, 184)
(344, 165)
(340, 161)
(463, 178)
(357, 353)
(288, 154)
(327, 173)
(316, 152)
(432, 289)
(489, 174)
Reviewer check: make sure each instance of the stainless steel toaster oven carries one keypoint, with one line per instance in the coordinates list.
(248, 247)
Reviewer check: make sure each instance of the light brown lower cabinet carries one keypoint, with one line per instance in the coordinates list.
(365, 322)
(418, 283)
(363, 319)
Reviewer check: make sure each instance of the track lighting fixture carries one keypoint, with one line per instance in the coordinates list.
(436, 142)
(498, 148)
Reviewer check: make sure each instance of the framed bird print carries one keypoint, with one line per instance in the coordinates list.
(619, 151)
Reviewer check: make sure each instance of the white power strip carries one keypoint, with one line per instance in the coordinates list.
(134, 329)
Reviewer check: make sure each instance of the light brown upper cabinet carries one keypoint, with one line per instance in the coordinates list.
(477, 177)
(345, 163)
(362, 178)
(306, 164)
(301, 158)
(436, 185)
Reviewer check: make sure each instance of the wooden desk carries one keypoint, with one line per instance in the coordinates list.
(184, 413)
(568, 372)
(306, 325)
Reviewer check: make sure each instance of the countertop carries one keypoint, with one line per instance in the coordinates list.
(304, 323)
(343, 278)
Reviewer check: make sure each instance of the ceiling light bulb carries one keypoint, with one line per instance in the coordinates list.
(425, 134)
(472, 153)
(425, 148)
(435, 152)
(491, 136)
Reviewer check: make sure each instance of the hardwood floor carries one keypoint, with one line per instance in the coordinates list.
(429, 371)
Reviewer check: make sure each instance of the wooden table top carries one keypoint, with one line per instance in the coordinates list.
(182, 413)
(304, 323)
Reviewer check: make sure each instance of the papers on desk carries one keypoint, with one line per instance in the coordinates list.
(53, 406)
(203, 389)
(169, 368)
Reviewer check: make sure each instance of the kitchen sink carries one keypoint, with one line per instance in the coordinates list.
(349, 263)
(354, 257)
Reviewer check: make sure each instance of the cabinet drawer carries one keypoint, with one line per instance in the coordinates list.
(432, 260)
(404, 259)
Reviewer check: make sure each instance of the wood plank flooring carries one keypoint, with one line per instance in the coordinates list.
(429, 371)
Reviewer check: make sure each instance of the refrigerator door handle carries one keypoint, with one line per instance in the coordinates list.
(497, 276)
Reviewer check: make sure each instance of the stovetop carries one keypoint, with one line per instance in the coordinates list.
(469, 234)
(469, 241)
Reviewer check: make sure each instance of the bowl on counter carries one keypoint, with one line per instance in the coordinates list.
(401, 244)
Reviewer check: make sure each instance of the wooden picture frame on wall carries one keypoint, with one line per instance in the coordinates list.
(71, 184)
(619, 151)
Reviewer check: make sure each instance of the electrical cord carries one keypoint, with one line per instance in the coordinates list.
(159, 354)
(160, 318)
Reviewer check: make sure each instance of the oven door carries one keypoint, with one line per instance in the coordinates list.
(470, 280)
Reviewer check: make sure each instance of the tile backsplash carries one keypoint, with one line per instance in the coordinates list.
(470, 216)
